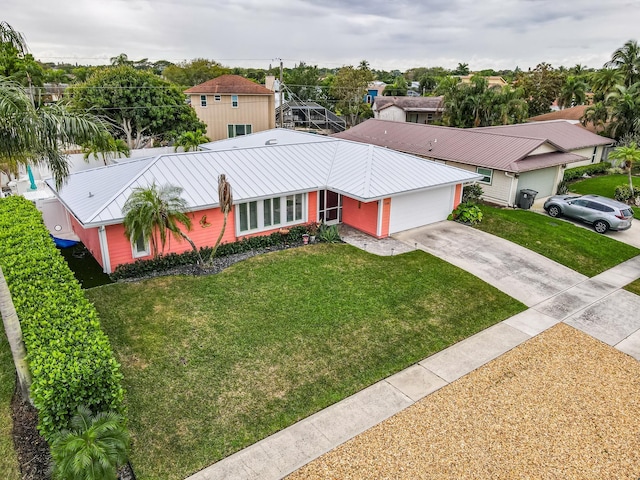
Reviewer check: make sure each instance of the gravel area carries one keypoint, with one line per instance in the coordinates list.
(562, 405)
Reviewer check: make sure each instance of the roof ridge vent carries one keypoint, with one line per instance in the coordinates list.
(271, 141)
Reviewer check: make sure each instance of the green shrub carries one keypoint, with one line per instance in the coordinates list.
(143, 267)
(69, 356)
(468, 213)
(471, 193)
(593, 169)
(328, 234)
(623, 194)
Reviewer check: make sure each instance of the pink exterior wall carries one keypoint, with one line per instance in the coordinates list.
(386, 216)
(89, 237)
(312, 206)
(204, 232)
(457, 196)
(360, 215)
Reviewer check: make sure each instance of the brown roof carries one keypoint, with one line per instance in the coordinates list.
(572, 113)
(410, 104)
(230, 84)
(478, 147)
(560, 132)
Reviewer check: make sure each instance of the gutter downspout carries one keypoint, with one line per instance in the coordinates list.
(104, 249)
(512, 177)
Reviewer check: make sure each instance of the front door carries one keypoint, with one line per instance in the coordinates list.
(330, 207)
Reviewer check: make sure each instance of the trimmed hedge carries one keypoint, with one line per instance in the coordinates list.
(140, 268)
(69, 356)
(593, 169)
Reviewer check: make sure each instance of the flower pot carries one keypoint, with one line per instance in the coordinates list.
(312, 238)
(305, 239)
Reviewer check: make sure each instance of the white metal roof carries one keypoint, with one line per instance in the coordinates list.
(275, 136)
(364, 172)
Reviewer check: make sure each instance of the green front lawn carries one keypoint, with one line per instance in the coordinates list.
(578, 248)
(8, 458)
(604, 185)
(634, 287)
(213, 364)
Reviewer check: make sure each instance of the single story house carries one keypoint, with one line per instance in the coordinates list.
(510, 158)
(279, 178)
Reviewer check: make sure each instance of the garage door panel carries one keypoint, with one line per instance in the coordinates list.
(421, 208)
(542, 181)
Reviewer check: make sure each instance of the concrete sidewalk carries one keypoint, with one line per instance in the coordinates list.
(596, 306)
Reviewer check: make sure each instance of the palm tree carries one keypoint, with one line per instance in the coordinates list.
(39, 134)
(225, 198)
(604, 81)
(14, 336)
(152, 213)
(109, 147)
(191, 140)
(13, 38)
(624, 105)
(596, 114)
(627, 60)
(93, 449)
(626, 157)
(573, 92)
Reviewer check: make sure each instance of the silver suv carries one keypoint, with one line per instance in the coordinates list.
(601, 212)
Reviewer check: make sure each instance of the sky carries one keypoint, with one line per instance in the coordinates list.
(389, 34)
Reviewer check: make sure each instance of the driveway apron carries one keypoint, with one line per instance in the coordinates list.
(515, 270)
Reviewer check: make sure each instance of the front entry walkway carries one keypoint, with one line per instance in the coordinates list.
(596, 306)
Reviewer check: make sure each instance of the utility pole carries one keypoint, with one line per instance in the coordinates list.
(281, 89)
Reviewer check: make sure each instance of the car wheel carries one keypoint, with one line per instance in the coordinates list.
(600, 226)
(554, 211)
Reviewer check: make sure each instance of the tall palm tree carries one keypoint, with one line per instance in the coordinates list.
(153, 213)
(115, 148)
(624, 105)
(14, 336)
(573, 92)
(225, 198)
(10, 36)
(627, 60)
(93, 449)
(627, 156)
(604, 81)
(39, 134)
(191, 140)
(596, 114)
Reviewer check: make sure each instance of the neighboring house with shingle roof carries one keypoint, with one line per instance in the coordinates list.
(232, 105)
(510, 158)
(572, 115)
(279, 178)
(408, 109)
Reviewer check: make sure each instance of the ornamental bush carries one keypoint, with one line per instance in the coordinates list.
(593, 169)
(467, 213)
(143, 267)
(69, 355)
(623, 194)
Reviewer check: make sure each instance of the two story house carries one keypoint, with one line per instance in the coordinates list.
(231, 105)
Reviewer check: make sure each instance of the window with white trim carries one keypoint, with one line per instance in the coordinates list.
(237, 130)
(140, 247)
(487, 173)
(217, 98)
(203, 100)
(234, 101)
(267, 214)
(593, 155)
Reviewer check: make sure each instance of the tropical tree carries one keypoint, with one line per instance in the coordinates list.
(624, 110)
(191, 140)
(604, 81)
(349, 89)
(597, 115)
(302, 82)
(225, 198)
(143, 106)
(194, 72)
(38, 134)
(153, 213)
(94, 448)
(541, 87)
(626, 156)
(14, 336)
(573, 92)
(107, 147)
(627, 60)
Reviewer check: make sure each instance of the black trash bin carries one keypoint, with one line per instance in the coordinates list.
(526, 198)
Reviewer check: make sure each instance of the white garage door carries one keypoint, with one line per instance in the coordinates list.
(422, 208)
(542, 181)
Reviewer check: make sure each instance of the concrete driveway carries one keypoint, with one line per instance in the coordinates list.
(517, 271)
